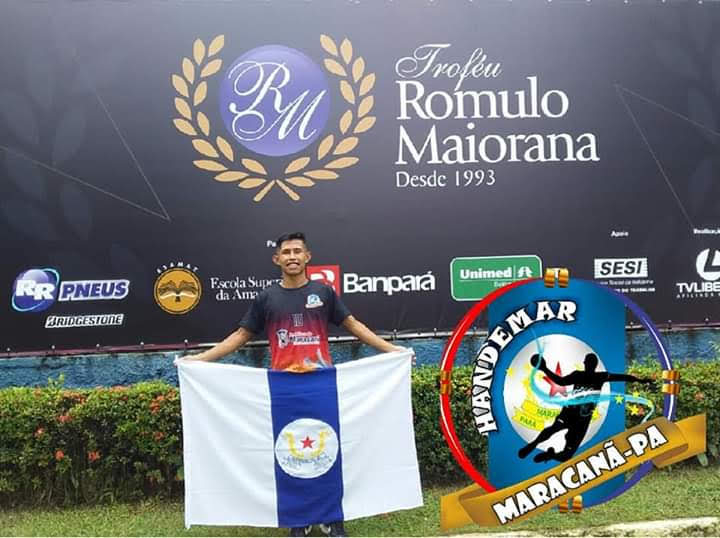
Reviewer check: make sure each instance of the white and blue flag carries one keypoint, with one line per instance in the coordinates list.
(279, 449)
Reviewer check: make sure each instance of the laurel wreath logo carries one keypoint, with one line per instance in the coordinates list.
(331, 153)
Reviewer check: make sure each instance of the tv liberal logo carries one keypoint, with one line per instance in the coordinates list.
(275, 101)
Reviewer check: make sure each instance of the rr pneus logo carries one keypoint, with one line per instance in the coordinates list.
(275, 101)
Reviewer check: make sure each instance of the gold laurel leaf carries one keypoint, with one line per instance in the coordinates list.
(335, 68)
(203, 123)
(215, 45)
(180, 85)
(205, 147)
(226, 148)
(185, 127)
(346, 50)
(300, 181)
(231, 175)
(251, 183)
(328, 44)
(364, 124)
(343, 162)
(188, 70)
(358, 69)
(198, 51)
(346, 145)
(367, 83)
(321, 174)
(200, 93)
(260, 195)
(213, 166)
(325, 146)
(347, 91)
(291, 193)
(254, 166)
(183, 108)
(365, 106)
(297, 164)
(211, 68)
(345, 121)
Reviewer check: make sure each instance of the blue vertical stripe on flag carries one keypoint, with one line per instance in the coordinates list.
(307, 501)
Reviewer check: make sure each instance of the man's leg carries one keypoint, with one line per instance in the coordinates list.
(544, 435)
(301, 531)
(336, 528)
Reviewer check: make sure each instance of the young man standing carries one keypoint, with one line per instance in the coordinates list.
(295, 314)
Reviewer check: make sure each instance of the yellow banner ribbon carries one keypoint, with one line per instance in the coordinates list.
(659, 440)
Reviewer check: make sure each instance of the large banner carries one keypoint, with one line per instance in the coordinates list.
(150, 153)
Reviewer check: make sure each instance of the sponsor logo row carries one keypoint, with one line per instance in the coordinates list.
(178, 288)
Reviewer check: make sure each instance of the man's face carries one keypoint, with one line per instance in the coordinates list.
(292, 256)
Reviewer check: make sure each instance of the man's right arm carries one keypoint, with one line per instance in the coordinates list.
(232, 343)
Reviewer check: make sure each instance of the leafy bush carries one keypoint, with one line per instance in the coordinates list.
(64, 447)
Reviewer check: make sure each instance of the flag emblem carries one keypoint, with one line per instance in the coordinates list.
(306, 448)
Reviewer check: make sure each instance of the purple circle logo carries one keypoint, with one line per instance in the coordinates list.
(274, 100)
(35, 290)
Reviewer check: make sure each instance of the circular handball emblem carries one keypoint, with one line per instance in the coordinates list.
(35, 290)
(177, 290)
(528, 413)
(274, 100)
(306, 448)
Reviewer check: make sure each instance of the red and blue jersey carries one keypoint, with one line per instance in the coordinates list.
(296, 323)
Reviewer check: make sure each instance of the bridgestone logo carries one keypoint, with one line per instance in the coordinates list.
(94, 320)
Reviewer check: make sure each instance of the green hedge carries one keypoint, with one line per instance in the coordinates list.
(65, 447)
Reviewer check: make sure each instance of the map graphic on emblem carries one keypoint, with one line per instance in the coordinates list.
(306, 448)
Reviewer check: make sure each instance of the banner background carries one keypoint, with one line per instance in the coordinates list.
(96, 182)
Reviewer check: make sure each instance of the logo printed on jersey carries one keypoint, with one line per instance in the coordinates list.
(313, 301)
(283, 338)
(297, 320)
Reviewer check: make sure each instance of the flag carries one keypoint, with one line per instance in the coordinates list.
(278, 449)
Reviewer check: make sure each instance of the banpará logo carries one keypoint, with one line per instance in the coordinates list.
(355, 283)
(275, 101)
(306, 448)
(326, 274)
(36, 290)
(177, 289)
(621, 267)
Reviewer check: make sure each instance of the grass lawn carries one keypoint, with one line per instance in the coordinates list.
(687, 491)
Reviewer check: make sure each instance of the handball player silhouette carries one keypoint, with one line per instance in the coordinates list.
(573, 418)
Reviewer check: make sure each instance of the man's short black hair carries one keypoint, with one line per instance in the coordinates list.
(289, 237)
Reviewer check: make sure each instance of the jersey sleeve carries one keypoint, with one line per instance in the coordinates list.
(254, 318)
(339, 311)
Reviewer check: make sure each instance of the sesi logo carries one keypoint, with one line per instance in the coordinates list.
(621, 267)
(326, 274)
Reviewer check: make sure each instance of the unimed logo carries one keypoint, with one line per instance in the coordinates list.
(621, 267)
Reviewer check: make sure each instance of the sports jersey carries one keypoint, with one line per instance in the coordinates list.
(296, 322)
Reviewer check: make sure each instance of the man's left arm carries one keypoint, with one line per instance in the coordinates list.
(365, 335)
